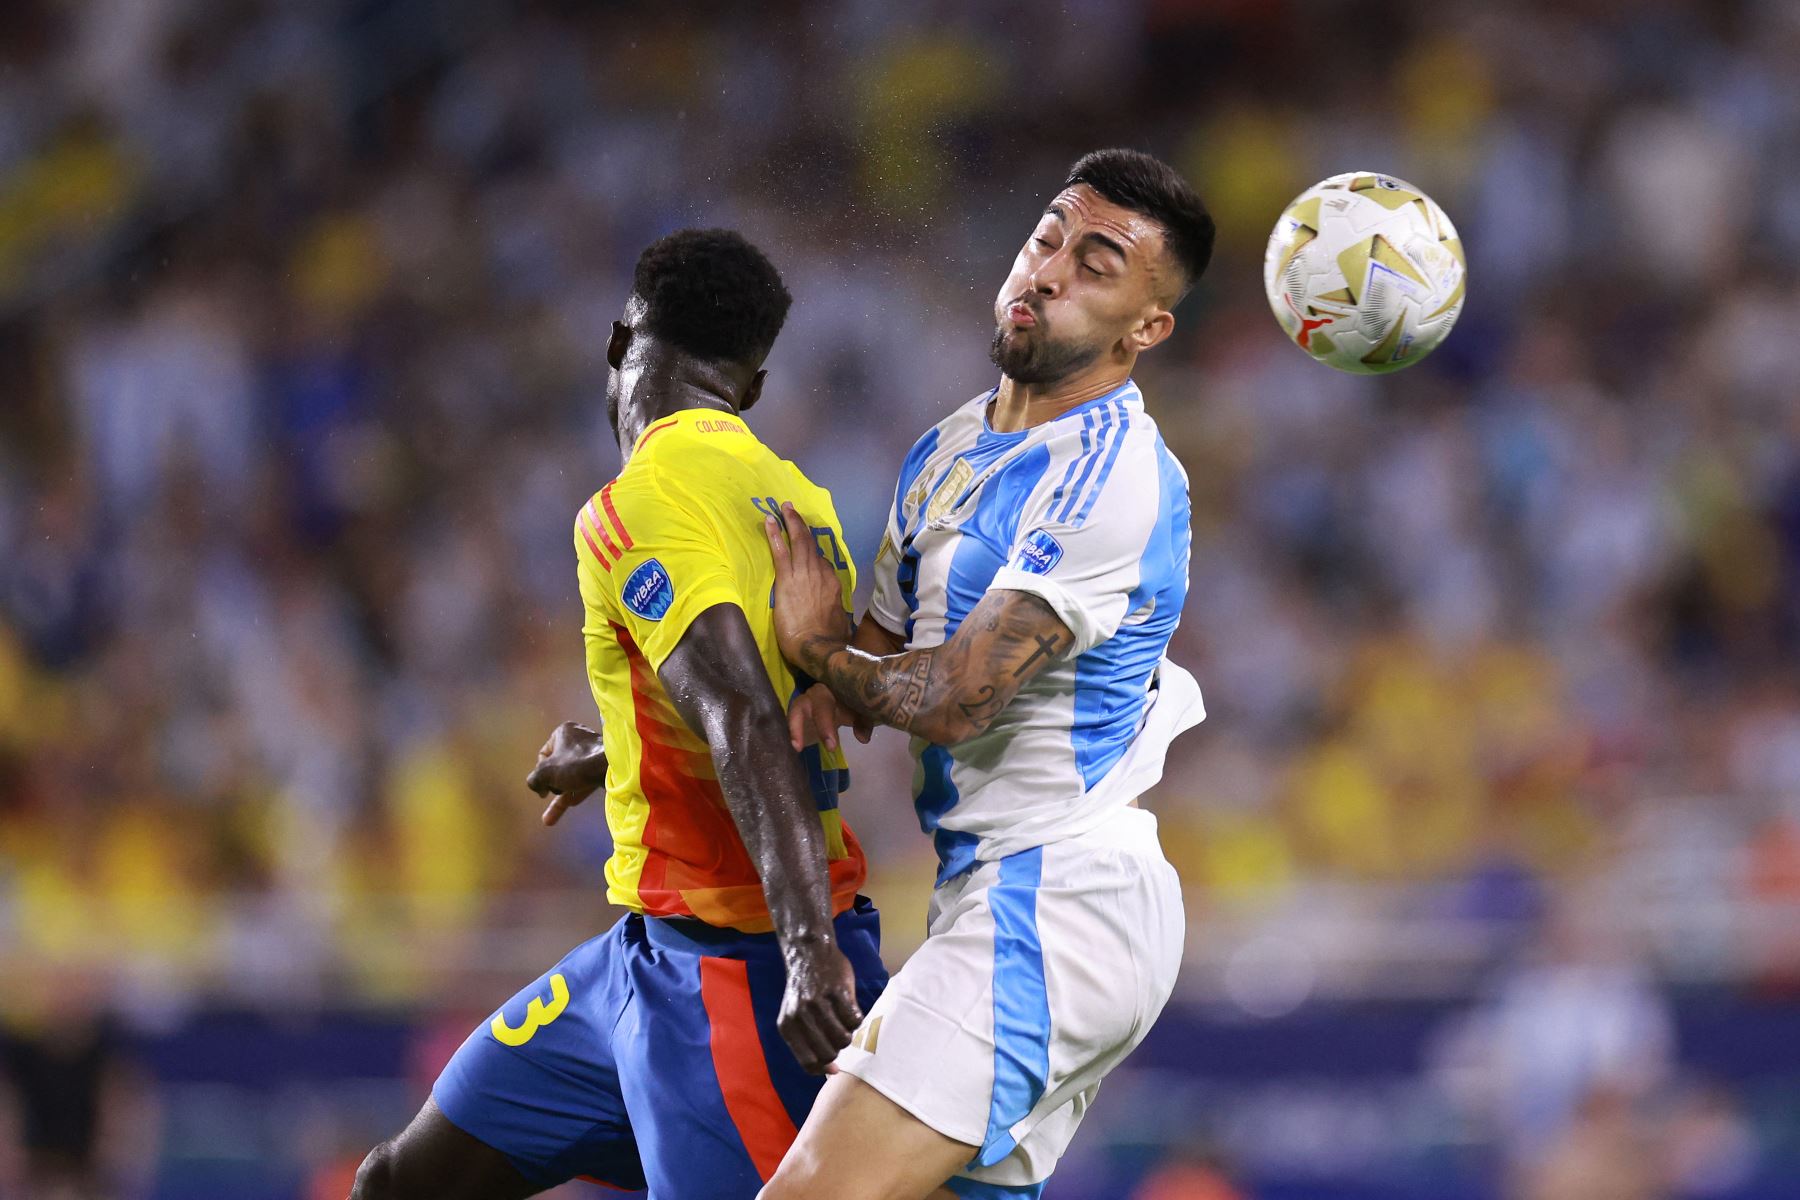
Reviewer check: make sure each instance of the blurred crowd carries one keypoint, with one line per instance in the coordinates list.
(302, 308)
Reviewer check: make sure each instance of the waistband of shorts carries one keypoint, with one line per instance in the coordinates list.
(1126, 829)
(690, 935)
(687, 935)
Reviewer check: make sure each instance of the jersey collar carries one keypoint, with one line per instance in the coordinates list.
(1126, 392)
(686, 417)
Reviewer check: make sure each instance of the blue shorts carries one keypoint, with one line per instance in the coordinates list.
(649, 1057)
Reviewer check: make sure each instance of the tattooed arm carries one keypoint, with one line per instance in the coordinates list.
(944, 694)
(949, 693)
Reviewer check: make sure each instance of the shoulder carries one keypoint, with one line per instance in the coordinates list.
(649, 502)
(1110, 456)
(1138, 472)
(636, 491)
(1151, 454)
(605, 522)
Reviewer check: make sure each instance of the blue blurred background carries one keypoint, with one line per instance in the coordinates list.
(1491, 842)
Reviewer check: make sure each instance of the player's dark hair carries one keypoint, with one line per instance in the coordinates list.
(711, 293)
(1146, 184)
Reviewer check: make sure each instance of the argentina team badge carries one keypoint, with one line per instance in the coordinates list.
(649, 591)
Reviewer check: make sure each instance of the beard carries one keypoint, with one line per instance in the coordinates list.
(1033, 356)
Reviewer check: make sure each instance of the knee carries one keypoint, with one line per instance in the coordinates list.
(375, 1178)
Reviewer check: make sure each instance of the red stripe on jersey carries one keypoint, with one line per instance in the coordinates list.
(652, 877)
(750, 1097)
(600, 528)
(606, 499)
(581, 526)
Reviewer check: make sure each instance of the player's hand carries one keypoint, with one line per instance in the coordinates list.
(570, 768)
(816, 716)
(819, 1010)
(808, 599)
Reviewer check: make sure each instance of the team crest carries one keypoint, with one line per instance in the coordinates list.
(949, 491)
(1039, 553)
(649, 591)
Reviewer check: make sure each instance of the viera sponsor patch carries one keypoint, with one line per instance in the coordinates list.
(1039, 553)
(648, 591)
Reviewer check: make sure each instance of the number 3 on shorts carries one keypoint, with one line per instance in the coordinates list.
(537, 1015)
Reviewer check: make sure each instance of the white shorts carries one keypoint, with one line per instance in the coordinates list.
(1041, 971)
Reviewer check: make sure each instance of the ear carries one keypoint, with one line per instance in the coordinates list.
(615, 345)
(753, 393)
(1156, 328)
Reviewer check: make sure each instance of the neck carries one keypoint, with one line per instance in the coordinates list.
(661, 390)
(1019, 406)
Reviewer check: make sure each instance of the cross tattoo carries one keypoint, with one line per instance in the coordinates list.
(1045, 646)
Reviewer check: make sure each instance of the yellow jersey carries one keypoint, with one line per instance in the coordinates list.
(680, 530)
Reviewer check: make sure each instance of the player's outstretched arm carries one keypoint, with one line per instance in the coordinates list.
(945, 694)
(716, 679)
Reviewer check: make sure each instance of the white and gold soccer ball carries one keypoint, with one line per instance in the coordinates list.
(1365, 272)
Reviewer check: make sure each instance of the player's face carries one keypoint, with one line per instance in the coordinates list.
(1092, 280)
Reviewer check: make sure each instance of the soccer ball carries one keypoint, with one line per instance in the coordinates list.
(1365, 272)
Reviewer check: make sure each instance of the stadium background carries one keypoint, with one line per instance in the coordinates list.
(1491, 841)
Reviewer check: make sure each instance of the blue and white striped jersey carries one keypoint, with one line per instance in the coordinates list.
(1090, 513)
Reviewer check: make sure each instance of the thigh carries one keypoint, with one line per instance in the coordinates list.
(716, 1097)
(1035, 981)
(859, 1145)
(1109, 930)
(539, 1082)
(930, 1043)
(702, 1102)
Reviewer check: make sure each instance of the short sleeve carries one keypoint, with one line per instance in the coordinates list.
(1083, 556)
(651, 564)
